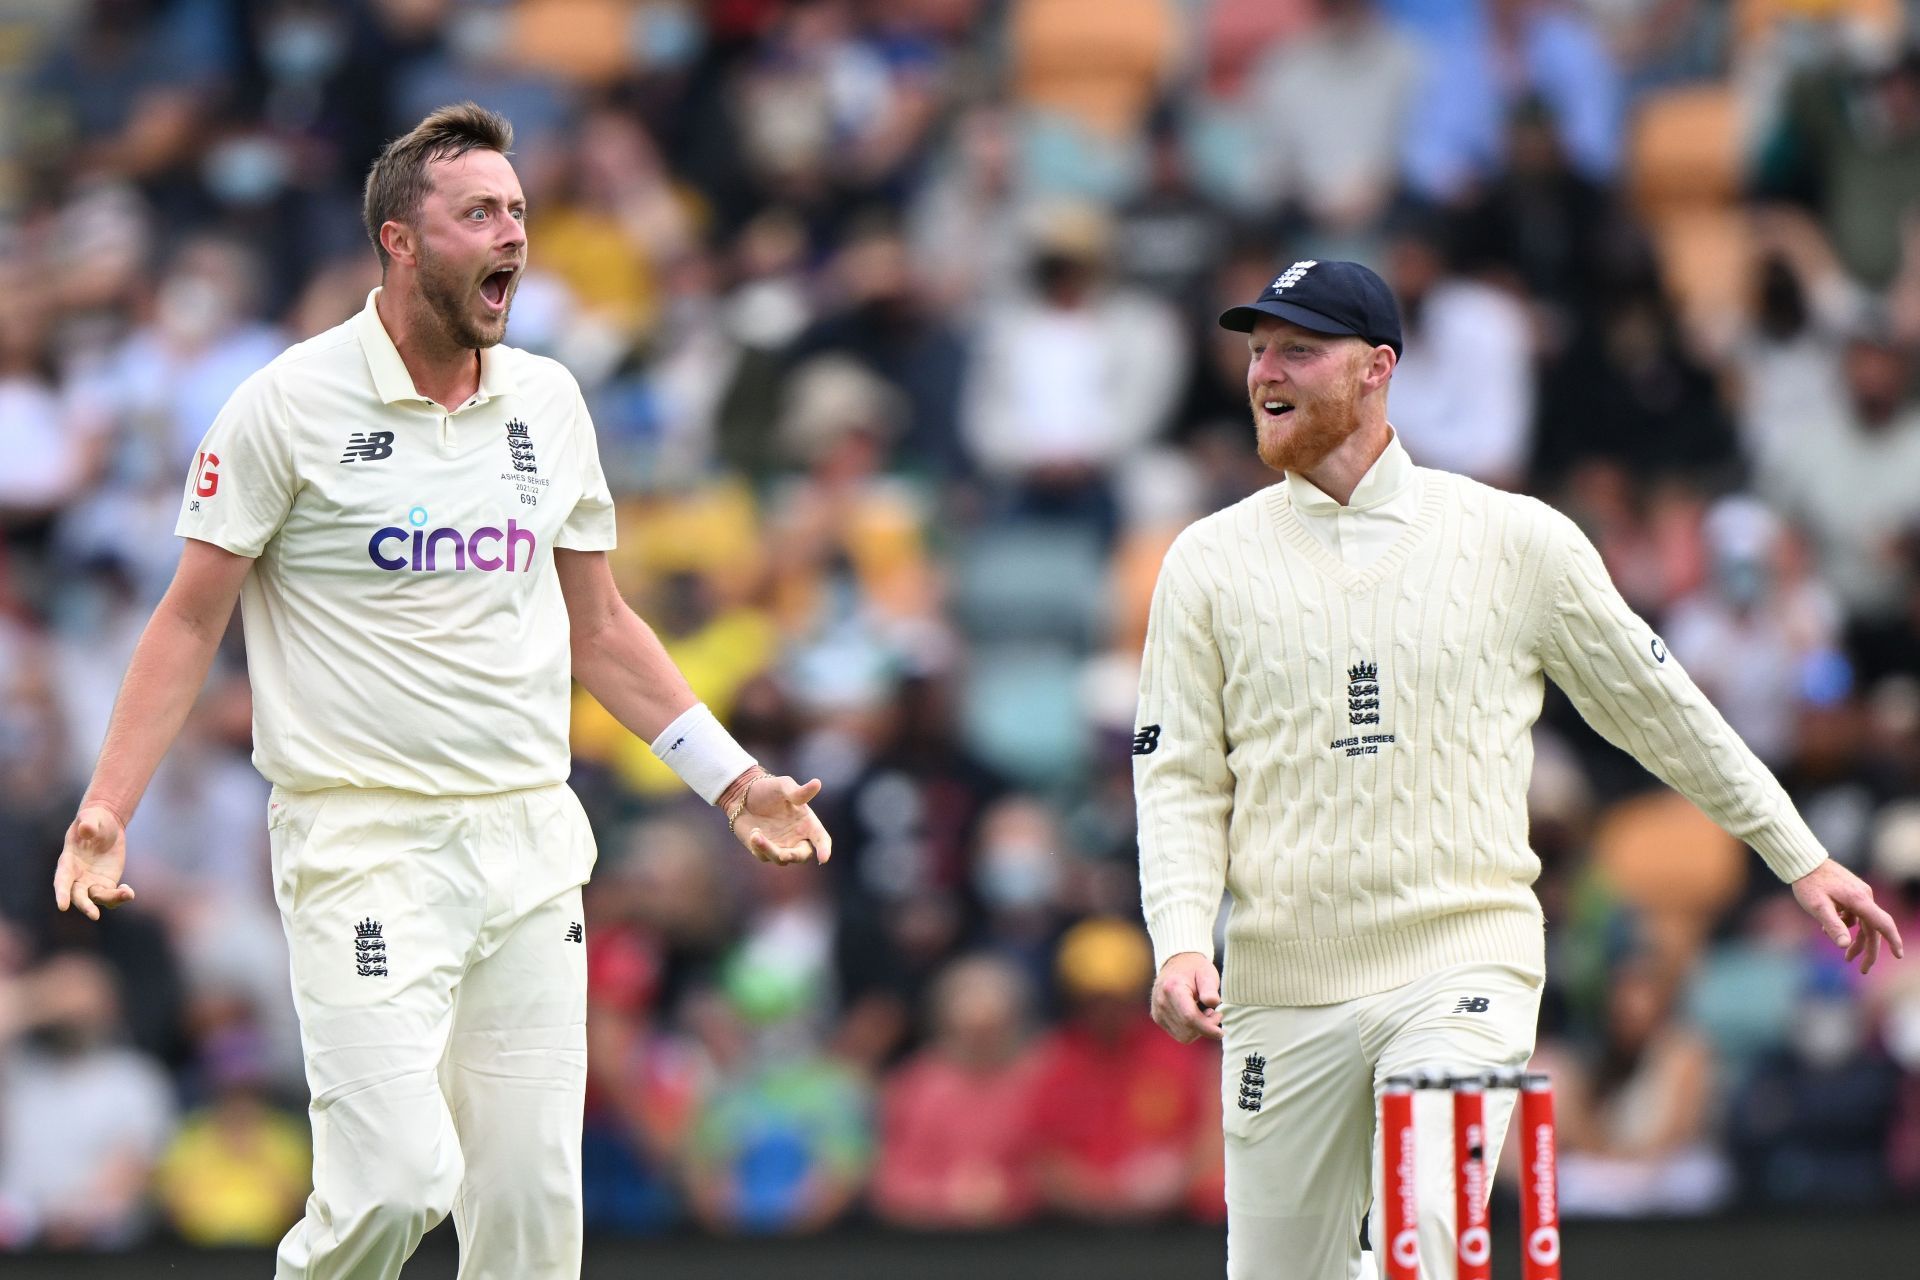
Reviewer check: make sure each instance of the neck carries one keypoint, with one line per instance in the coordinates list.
(442, 370)
(1339, 473)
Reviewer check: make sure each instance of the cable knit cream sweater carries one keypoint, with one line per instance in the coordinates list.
(1346, 750)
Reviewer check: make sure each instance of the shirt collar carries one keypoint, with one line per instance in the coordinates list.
(391, 381)
(1385, 480)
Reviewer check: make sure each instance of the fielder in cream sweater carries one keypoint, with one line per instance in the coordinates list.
(1340, 677)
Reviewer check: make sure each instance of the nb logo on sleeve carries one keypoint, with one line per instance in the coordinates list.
(1472, 1004)
(1147, 740)
(368, 446)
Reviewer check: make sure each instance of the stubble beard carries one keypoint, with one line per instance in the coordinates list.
(1312, 431)
(449, 294)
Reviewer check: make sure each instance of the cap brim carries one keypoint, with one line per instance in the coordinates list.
(1242, 319)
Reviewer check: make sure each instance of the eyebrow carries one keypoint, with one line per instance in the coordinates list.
(482, 198)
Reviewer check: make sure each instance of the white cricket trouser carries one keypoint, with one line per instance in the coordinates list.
(440, 975)
(1303, 1157)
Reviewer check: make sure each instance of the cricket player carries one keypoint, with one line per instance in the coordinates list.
(1340, 675)
(415, 522)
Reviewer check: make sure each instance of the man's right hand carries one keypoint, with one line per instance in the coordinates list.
(90, 866)
(1186, 997)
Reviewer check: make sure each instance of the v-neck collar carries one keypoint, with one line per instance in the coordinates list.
(1287, 520)
(1390, 473)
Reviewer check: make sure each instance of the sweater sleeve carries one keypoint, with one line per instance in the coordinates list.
(1622, 679)
(1181, 783)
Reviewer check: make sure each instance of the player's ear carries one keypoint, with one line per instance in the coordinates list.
(399, 240)
(1379, 367)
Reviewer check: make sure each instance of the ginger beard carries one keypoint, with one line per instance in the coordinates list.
(1300, 439)
(466, 305)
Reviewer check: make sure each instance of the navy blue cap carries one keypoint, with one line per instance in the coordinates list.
(1326, 297)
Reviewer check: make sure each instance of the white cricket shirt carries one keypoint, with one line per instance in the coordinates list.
(404, 621)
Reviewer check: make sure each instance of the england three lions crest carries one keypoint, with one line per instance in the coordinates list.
(1363, 712)
(520, 447)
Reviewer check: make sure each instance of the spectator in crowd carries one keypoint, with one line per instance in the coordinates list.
(1481, 60)
(1748, 635)
(1463, 394)
(1123, 1119)
(953, 1135)
(1328, 111)
(83, 1117)
(1634, 1111)
(1810, 1126)
(644, 1079)
(1847, 147)
(783, 1139)
(1628, 390)
(1852, 485)
(1067, 381)
(236, 1173)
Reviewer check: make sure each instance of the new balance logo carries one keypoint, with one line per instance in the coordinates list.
(369, 949)
(1253, 1082)
(1147, 740)
(1471, 1004)
(1292, 275)
(575, 933)
(368, 446)
(520, 447)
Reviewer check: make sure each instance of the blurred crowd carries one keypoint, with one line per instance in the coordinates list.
(896, 319)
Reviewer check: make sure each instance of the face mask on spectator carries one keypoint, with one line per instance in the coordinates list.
(1827, 1033)
(190, 309)
(302, 46)
(1902, 1033)
(1014, 877)
(246, 171)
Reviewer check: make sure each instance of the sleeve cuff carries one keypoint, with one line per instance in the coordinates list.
(1789, 849)
(1185, 927)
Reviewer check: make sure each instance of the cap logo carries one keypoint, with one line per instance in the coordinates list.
(1292, 275)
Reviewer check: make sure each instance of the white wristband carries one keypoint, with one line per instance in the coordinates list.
(698, 748)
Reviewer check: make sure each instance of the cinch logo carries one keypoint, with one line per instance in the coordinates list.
(389, 547)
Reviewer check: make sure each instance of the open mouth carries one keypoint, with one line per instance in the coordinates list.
(1276, 408)
(494, 288)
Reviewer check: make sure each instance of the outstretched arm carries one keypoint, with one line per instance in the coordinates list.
(1629, 688)
(169, 665)
(621, 662)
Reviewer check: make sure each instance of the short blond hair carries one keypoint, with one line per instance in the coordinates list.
(398, 181)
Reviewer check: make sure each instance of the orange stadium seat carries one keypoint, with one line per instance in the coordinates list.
(1671, 864)
(1684, 174)
(1685, 148)
(1706, 259)
(585, 41)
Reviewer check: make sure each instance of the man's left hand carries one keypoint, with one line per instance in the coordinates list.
(1844, 906)
(778, 826)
